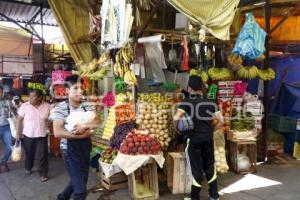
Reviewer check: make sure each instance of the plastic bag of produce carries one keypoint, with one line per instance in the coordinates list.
(16, 152)
(251, 40)
(220, 154)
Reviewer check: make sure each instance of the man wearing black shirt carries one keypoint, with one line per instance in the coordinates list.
(200, 144)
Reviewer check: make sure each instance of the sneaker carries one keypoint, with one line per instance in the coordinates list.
(210, 198)
(187, 198)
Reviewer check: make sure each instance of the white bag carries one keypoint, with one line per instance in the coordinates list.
(12, 120)
(16, 152)
(12, 124)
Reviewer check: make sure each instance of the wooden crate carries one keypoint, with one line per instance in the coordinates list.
(249, 147)
(143, 183)
(179, 180)
(115, 182)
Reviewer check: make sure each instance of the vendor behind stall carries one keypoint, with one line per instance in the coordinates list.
(76, 141)
(200, 144)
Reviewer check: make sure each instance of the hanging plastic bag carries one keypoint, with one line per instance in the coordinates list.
(12, 124)
(16, 154)
(220, 154)
(251, 40)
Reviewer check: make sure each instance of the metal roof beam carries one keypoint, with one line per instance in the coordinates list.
(34, 16)
(29, 4)
(23, 27)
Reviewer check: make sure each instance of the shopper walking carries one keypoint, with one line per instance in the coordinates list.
(32, 123)
(5, 133)
(200, 144)
(75, 144)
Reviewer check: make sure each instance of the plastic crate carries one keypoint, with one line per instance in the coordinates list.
(282, 124)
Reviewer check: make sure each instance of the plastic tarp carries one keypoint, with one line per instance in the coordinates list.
(288, 103)
(14, 42)
(251, 39)
(74, 22)
(215, 16)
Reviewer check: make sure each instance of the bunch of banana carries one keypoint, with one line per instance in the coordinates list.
(219, 73)
(120, 70)
(266, 74)
(99, 74)
(94, 65)
(248, 72)
(127, 53)
(129, 78)
(202, 74)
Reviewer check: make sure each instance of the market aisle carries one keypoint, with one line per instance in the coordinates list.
(17, 185)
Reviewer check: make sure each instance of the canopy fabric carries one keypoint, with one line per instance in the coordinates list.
(73, 19)
(216, 16)
(14, 42)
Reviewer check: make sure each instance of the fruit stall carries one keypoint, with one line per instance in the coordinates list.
(146, 72)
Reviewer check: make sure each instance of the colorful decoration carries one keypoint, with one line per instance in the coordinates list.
(240, 89)
(108, 100)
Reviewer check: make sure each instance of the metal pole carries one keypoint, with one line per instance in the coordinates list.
(266, 65)
(43, 42)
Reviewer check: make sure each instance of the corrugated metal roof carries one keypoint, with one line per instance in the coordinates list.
(25, 12)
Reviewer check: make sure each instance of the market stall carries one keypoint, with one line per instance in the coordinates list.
(147, 67)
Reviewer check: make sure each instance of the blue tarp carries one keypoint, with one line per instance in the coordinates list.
(288, 102)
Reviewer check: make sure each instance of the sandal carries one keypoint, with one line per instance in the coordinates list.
(43, 179)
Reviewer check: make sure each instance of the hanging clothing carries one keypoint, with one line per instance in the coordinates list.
(185, 54)
(215, 16)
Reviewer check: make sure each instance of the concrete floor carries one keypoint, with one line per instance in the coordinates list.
(17, 185)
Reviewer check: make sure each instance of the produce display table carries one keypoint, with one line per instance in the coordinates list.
(143, 182)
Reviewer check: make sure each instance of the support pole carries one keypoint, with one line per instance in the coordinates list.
(43, 42)
(153, 11)
(267, 10)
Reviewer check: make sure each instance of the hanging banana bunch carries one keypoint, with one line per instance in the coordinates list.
(248, 72)
(266, 74)
(96, 69)
(202, 74)
(124, 58)
(219, 73)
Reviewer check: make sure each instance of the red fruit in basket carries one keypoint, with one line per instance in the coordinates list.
(153, 142)
(137, 144)
(130, 144)
(140, 149)
(148, 139)
(143, 144)
(134, 149)
(149, 144)
(129, 139)
(146, 148)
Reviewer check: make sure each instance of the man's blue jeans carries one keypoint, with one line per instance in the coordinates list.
(5, 135)
(77, 158)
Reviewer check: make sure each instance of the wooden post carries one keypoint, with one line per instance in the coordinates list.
(267, 10)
